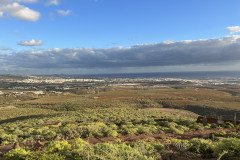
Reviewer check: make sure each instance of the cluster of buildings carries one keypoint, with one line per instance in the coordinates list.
(57, 80)
(21, 93)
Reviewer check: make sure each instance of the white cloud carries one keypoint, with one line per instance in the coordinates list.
(1, 15)
(27, 1)
(20, 12)
(32, 42)
(4, 2)
(64, 13)
(52, 2)
(233, 29)
(168, 42)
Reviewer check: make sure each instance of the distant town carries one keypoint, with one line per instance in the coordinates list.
(40, 85)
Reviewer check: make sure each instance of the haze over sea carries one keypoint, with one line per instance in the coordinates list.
(196, 75)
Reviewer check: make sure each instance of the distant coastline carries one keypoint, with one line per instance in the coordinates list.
(192, 74)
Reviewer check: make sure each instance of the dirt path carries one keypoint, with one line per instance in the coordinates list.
(4, 149)
(186, 135)
(8, 107)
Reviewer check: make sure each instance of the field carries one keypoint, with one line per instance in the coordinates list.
(120, 122)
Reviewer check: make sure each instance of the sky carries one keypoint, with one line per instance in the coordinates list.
(118, 36)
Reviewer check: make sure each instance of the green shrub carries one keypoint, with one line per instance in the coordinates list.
(117, 140)
(174, 130)
(185, 144)
(208, 126)
(37, 131)
(144, 148)
(113, 126)
(202, 146)
(141, 150)
(228, 125)
(81, 149)
(213, 125)
(231, 146)
(126, 152)
(196, 126)
(158, 146)
(18, 132)
(45, 156)
(112, 133)
(105, 151)
(142, 129)
(59, 146)
(16, 154)
(5, 142)
(128, 130)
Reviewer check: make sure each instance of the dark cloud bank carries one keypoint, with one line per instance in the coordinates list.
(168, 53)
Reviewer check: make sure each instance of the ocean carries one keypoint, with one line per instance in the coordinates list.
(189, 75)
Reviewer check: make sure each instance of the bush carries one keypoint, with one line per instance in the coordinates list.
(231, 146)
(228, 125)
(37, 132)
(49, 135)
(196, 126)
(141, 150)
(126, 152)
(105, 151)
(81, 149)
(16, 154)
(174, 130)
(44, 156)
(126, 130)
(158, 146)
(180, 145)
(143, 129)
(202, 146)
(60, 146)
(117, 140)
(112, 133)
(144, 148)
(213, 125)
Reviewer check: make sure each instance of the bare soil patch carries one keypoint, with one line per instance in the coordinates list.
(8, 107)
(186, 136)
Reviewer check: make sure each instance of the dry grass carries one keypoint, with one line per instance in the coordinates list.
(175, 111)
(212, 98)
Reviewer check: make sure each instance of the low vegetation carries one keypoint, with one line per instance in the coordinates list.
(119, 123)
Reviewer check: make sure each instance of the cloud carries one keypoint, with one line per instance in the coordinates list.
(64, 13)
(27, 1)
(32, 42)
(4, 48)
(233, 29)
(168, 42)
(18, 1)
(1, 15)
(179, 53)
(52, 2)
(19, 11)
